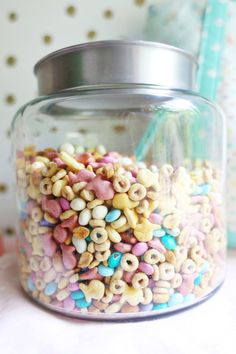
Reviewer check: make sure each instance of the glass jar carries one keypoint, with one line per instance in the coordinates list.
(120, 178)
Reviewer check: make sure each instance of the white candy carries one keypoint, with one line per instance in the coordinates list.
(78, 204)
(101, 149)
(37, 165)
(79, 149)
(84, 217)
(80, 245)
(68, 147)
(99, 212)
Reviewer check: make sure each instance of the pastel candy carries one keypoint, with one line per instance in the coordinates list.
(105, 271)
(69, 304)
(49, 246)
(64, 203)
(114, 259)
(60, 234)
(169, 242)
(30, 284)
(82, 303)
(53, 208)
(198, 279)
(147, 307)
(139, 248)
(155, 218)
(175, 299)
(77, 295)
(146, 268)
(68, 258)
(160, 306)
(113, 215)
(103, 189)
(70, 223)
(50, 288)
(159, 233)
(122, 247)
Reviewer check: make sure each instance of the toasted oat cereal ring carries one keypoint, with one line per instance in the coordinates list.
(102, 256)
(49, 170)
(167, 271)
(37, 214)
(140, 280)
(137, 192)
(45, 186)
(117, 286)
(129, 262)
(188, 266)
(153, 256)
(121, 184)
(99, 235)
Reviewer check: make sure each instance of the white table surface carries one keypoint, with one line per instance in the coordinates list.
(26, 328)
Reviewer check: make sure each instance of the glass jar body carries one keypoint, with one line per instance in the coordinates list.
(120, 194)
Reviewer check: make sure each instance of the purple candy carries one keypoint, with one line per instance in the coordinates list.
(147, 307)
(69, 304)
(155, 218)
(73, 286)
(146, 268)
(139, 248)
(65, 205)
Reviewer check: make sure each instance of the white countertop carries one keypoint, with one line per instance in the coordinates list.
(26, 328)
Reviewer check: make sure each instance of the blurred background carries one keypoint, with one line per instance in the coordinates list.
(31, 29)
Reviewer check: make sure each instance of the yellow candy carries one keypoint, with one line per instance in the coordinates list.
(147, 178)
(132, 296)
(122, 201)
(71, 162)
(131, 217)
(144, 231)
(95, 290)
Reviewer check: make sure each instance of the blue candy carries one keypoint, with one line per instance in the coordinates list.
(159, 233)
(50, 289)
(160, 306)
(198, 279)
(77, 295)
(189, 297)
(113, 215)
(88, 238)
(205, 268)
(105, 271)
(176, 299)
(83, 303)
(114, 259)
(173, 232)
(30, 284)
(169, 242)
(206, 188)
(23, 215)
(197, 190)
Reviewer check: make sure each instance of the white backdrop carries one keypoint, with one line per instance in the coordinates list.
(30, 29)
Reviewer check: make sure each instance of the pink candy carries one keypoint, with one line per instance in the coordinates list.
(73, 286)
(128, 277)
(156, 243)
(146, 268)
(59, 162)
(90, 274)
(109, 159)
(102, 188)
(49, 246)
(122, 247)
(30, 205)
(140, 248)
(60, 234)
(54, 208)
(85, 158)
(155, 219)
(187, 283)
(68, 258)
(65, 205)
(69, 303)
(70, 223)
(81, 176)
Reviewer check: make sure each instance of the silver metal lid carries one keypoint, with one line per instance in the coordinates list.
(112, 62)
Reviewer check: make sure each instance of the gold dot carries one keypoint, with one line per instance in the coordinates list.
(3, 188)
(11, 60)
(12, 16)
(139, 2)
(82, 131)
(53, 129)
(9, 231)
(10, 99)
(71, 10)
(91, 34)
(8, 133)
(119, 128)
(108, 14)
(47, 39)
